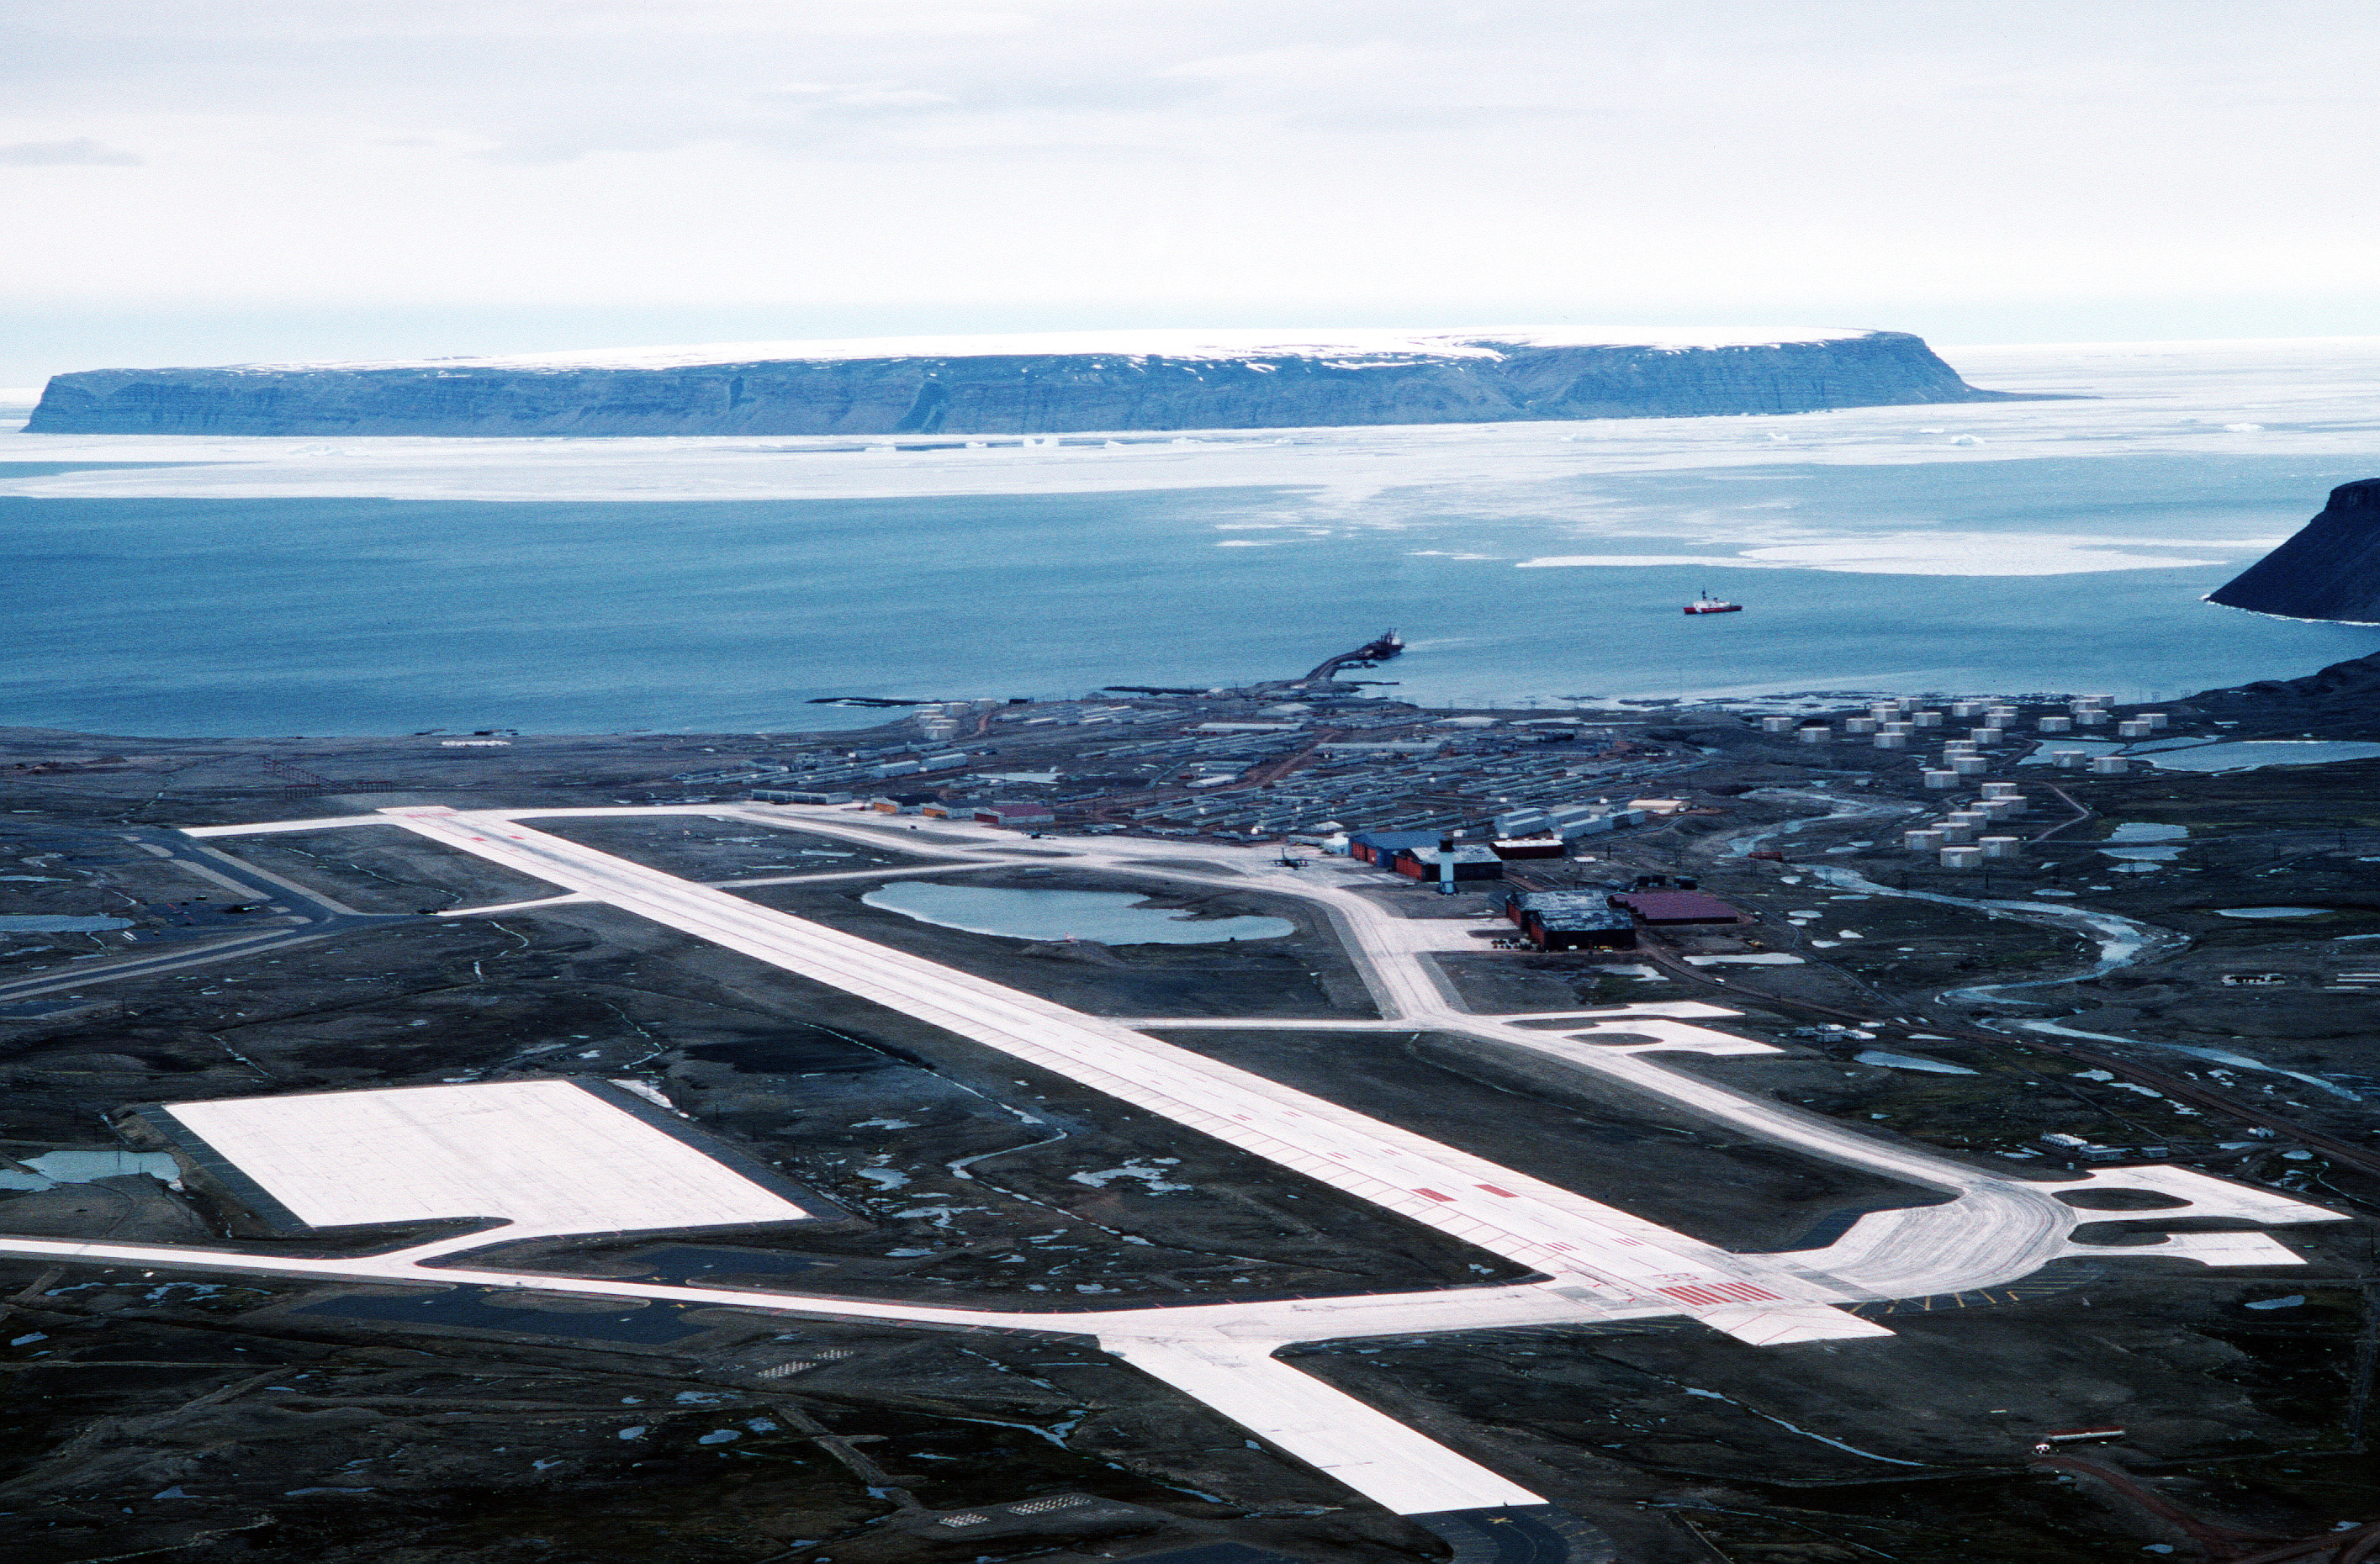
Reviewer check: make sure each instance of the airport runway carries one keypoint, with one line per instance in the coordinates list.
(1601, 1263)
(1608, 1255)
(1993, 1231)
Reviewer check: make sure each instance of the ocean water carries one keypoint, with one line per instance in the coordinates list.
(201, 586)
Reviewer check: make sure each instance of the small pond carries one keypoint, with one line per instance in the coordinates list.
(1890, 1061)
(1112, 918)
(2144, 860)
(2045, 753)
(2250, 754)
(52, 1169)
(53, 923)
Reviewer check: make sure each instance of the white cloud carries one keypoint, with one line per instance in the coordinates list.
(859, 94)
(1196, 162)
(80, 151)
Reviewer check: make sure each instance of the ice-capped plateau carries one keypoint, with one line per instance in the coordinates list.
(1034, 383)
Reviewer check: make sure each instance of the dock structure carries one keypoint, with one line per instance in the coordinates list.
(1371, 654)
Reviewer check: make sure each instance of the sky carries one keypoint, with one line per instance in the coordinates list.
(322, 178)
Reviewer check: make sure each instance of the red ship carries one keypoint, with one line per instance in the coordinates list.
(1708, 604)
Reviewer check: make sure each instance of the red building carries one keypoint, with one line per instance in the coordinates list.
(1471, 862)
(1571, 920)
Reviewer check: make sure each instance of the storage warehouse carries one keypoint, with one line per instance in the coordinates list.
(1571, 920)
(1381, 847)
(1018, 817)
(1471, 861)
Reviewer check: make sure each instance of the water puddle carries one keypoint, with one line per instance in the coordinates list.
(2122, 940)
(2045, 752)
(52, 1169)
(53, 923)
(1112, 918)
(2144, 860)
(2212, 1056)
(1910, 1061)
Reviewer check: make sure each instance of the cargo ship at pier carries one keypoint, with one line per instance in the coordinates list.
(1371, 654)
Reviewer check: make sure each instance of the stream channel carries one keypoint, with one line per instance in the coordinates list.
(2122, 942)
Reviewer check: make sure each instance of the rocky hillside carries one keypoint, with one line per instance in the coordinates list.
(1114, 380)
(2330, 570)
(2340, 701)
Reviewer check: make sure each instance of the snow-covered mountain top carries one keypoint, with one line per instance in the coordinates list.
(1333, 342)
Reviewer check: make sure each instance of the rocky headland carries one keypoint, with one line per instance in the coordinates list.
(2329, 570)
(2340, 701)
(1104, 381)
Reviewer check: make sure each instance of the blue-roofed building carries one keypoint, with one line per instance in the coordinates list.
(1381, 847)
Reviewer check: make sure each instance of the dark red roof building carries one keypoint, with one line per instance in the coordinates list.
(1570, 920)
(1662, 907)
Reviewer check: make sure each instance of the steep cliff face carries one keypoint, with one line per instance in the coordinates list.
(1092, 380)
(2330, 570)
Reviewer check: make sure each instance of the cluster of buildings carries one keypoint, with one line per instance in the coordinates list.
(1436, 854)
(1904, 723)
(1606, 918)
(1971, 834)
(1250, 770)
(1963, 837)
(1424, 777)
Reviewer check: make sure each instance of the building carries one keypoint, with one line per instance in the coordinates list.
(1016, 817)
(798, 795)
(901, 802)
(1469, 861)
(1571, 920)
(1663, 908)
(1546, 846)
(1381, 847)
